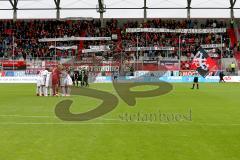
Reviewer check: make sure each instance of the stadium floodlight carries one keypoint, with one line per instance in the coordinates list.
(101, 7)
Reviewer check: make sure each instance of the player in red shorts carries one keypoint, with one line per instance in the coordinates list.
(55, 80)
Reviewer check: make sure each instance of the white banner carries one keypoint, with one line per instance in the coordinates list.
(75, 39)
(212, 53)
(212, 45)
(64, 47)
(165, 30)
(157, 48)
(102, 47)
(114, 36)
(93, 50)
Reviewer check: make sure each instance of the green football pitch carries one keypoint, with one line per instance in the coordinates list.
(195, 124)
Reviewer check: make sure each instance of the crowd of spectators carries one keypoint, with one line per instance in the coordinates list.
(188, 42)
(19, 40)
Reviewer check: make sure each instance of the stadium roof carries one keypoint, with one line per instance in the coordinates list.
(25, 9)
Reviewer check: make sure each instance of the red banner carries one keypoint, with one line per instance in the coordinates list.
(13, 65)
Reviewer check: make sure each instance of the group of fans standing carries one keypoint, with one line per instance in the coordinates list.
(50, 79)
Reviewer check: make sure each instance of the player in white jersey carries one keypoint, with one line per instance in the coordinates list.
(68, 83)
(43, 75)
(65, 82)
(48, 84)
(38, 90)
(40, 83)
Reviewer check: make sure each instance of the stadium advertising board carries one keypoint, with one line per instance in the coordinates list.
(108, 79)
(30, 79)
(192, 72)
(32, 71)
(21, 74)
(156, 73)
(232, 78)
(99, 68)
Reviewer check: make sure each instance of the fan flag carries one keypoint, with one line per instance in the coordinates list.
(203, 63)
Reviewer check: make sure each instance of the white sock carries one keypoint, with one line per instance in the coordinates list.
(38, 90)
(68, 90)
(45, 91)
(50, 91)
(63, 91)
(41, 90)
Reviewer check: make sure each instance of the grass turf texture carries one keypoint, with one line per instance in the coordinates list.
(29, 129)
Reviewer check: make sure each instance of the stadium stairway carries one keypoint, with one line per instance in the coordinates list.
(237, 57)
(226, 63)
(119, 42)
(232, 36)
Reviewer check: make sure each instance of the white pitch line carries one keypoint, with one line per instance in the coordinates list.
(25, 116)
(119, 123)
(97, 123)
(104, 119)
(7, 123)
(55, 117)
(109, 119)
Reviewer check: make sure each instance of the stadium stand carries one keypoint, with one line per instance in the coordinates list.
(26, 34)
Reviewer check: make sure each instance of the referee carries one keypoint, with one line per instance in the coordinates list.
(195, 81)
